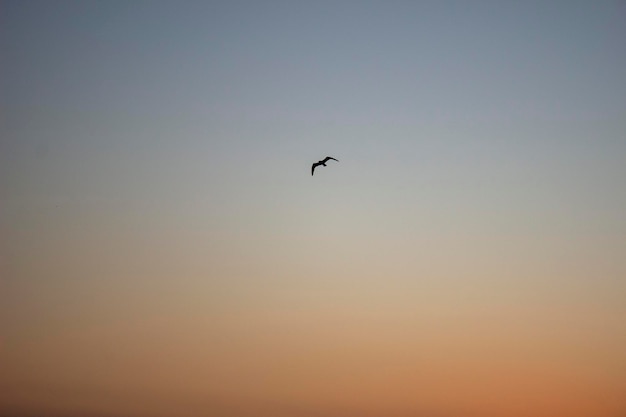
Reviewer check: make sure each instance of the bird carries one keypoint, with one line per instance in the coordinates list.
(322, 162)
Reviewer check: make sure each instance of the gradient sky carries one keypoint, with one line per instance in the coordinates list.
(164, 250)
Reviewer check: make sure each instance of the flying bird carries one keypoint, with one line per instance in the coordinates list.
(322, 162)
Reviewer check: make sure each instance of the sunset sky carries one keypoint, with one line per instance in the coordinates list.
(165, 251)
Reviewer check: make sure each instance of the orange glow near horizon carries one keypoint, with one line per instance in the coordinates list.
(338, 361)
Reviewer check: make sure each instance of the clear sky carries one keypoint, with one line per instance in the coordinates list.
(165, 251)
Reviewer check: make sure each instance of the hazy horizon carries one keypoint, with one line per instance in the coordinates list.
(164, 249)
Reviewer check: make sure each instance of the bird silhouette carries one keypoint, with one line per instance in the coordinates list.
(322, 162)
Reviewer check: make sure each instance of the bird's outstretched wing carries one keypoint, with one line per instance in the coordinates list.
(313, 167)
(329, 157)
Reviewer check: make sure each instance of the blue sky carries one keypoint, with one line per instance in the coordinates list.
(158, 154)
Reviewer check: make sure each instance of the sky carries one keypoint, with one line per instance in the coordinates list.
(165, 251)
